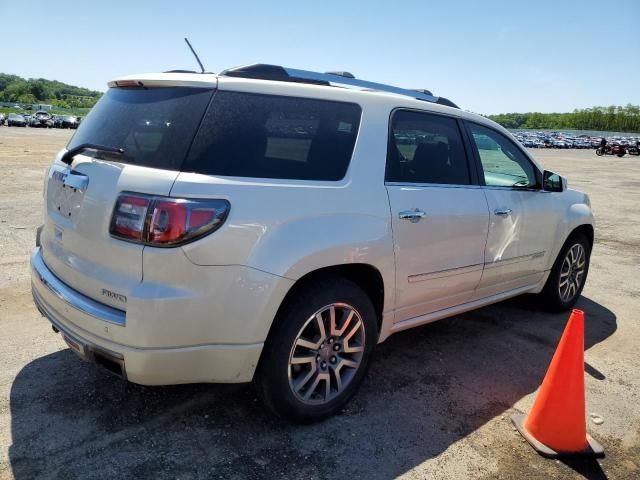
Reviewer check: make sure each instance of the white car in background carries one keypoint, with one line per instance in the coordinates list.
(264, 224)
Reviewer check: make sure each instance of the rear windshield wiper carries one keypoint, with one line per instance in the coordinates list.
(68, 156)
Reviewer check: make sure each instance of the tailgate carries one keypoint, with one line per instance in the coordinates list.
(151, 129)
(76, 244)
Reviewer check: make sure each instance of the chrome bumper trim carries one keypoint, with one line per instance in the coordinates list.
(73, 298)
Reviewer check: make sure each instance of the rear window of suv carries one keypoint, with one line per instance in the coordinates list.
(154, 126)
(278, 137)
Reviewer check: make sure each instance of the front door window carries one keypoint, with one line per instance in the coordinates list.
(503, 163)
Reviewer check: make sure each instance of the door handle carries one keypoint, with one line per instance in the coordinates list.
(76, 180)
(412, 215)
(502, 212)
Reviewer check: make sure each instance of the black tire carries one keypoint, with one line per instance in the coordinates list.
(599, 152)
(552, 300)
(272, 379)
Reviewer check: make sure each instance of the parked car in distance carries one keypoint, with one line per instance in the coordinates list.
(16, 120)
(41, 119)
(286, 226)
(68, 121)
(2, 119)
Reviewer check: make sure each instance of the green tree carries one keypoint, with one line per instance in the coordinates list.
(27, 98)
(15, 90)
(41, 90)
(12, 88)
(610, 118)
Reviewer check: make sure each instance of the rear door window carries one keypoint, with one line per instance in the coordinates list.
(269, 136)
(154, 126)
(426, 148)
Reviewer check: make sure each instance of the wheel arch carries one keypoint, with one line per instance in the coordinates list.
(547, 291)
(366, 276)
(585, 229)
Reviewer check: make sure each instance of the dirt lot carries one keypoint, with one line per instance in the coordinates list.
(436, 404)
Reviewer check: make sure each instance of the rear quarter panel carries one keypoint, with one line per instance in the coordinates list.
(290, 227)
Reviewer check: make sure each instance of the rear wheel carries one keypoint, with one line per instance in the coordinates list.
(318, 353)
(568, 275)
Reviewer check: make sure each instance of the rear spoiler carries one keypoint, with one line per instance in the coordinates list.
(172, 79)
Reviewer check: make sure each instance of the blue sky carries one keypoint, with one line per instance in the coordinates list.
(487, 56)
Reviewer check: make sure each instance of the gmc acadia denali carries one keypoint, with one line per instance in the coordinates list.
(273, 225)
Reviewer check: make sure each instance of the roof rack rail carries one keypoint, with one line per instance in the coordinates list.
(342, 74)
(275, 72)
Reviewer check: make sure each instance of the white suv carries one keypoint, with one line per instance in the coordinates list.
(272, 224)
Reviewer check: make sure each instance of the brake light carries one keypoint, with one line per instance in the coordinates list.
(129, 83)
(168, 222)
(163, 221)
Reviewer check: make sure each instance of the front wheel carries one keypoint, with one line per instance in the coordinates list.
(318, 353)
(568, 275)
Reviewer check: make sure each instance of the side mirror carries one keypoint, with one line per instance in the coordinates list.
(552, 182)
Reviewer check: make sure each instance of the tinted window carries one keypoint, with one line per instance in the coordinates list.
(154, 126)
(426, 148)
(267, 136)
(503, 163)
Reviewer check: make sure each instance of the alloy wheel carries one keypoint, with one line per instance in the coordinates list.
(572, 272)
(326, 354)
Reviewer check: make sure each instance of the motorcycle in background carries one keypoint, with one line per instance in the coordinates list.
(613, 149)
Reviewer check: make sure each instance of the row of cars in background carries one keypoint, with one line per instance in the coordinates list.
(40, 120)
(567, 140)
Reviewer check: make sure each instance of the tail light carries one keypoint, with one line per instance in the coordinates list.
(164, 221)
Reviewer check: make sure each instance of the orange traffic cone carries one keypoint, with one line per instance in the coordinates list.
(557, 423)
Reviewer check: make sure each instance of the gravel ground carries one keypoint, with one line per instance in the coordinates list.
(436, 403)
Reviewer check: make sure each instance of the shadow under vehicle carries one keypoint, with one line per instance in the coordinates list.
(427, 389)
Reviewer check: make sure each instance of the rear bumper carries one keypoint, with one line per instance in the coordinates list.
(68, 310)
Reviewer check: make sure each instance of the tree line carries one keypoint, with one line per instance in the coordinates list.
(611, 119)
(39, 90)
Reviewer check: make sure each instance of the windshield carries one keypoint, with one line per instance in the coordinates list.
(154, 126)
